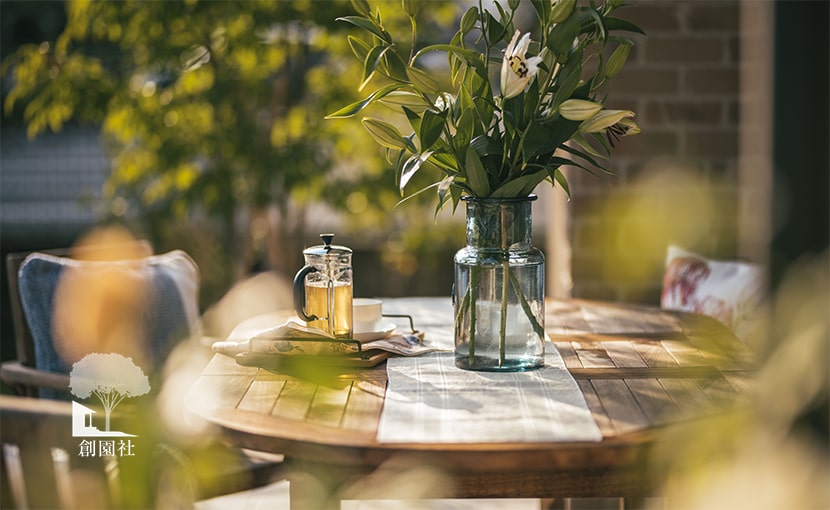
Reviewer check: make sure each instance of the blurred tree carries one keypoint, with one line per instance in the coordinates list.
(213, 111)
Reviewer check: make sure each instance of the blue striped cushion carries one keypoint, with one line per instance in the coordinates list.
(169, 284)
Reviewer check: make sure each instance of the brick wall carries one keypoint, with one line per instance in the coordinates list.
(678, 179)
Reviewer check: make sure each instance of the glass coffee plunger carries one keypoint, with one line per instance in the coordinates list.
(323, 288)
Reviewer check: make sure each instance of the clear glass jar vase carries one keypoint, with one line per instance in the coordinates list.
(499, 289)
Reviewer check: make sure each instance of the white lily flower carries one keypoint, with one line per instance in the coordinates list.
(516, 70)
(614, 123)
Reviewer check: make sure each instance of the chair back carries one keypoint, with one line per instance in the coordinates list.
(65, 308)
(41, 468)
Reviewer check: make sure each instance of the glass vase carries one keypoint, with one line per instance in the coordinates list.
(499, 289)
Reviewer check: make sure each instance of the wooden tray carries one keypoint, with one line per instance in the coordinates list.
(277, 362)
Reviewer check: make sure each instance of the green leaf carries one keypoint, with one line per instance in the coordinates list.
(395, 66)
(385, 134)
(371, 63)
(560, 178)
(568, 80)
(445, 161)
(476, 175)
(562, 37)
(471, 57)
(444, 193)
(430, 129)
(495, 30)
(359, 47)
(542, 10)
(368, 25)
(531, 98)
(536, 141)
(410, 100)
(520, 186)
(464, 128)
(621, 24)
(422, 80)
(414, 119)
(353, 108)
(411, 167)
(484, 145)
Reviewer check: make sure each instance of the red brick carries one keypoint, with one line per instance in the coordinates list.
(712, 81)
(712, 143)
(653, 142)
(682, 50)
(646, 81)
(721, 16)
(684, 111)
(651, 17)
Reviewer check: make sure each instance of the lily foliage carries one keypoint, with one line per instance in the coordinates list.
(500, 138)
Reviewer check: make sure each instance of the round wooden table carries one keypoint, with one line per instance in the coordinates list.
(639, 369)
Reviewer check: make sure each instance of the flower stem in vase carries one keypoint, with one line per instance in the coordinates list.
(505, 265)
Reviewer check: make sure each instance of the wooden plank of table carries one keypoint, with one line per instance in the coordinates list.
(644, 372)
(220, 364)
(654, 353)
(596, 408)
(328, 405)
(295, 400)
(592, 355)
(655, 402)
(684, 353)
(218, 391)
(623, 354)
(620, 405)
(568, 354)
(261, 396)
(688, 396)
(363, 409)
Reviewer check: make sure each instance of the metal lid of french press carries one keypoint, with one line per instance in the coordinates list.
(327, 249)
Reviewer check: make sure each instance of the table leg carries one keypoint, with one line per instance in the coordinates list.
(314, 486)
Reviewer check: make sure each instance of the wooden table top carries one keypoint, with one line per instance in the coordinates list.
(639, 368)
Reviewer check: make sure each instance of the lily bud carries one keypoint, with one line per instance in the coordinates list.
(617, 60)
(468, 21)
(362, 6)
(579, 109)
(561, 10)
(410, 7)
(604, 120)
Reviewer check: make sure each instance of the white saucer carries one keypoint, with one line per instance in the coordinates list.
(384, 330)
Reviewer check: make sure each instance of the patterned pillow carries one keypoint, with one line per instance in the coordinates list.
(137, 308)
(726, 290)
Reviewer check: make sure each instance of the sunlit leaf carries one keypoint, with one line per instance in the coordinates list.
(385, 134)
(476, 175)
(411, 167)
(350, 110)
(369, 26)
(430, 129)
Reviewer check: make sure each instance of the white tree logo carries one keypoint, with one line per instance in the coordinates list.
(110, 377)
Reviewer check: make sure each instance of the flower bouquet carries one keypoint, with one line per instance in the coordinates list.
(515, 106)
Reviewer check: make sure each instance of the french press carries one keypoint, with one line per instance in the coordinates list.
(323, 288)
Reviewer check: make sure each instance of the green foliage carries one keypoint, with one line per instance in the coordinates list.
(207, 109)
(503, 143)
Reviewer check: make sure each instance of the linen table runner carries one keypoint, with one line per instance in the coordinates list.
(429, 399)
